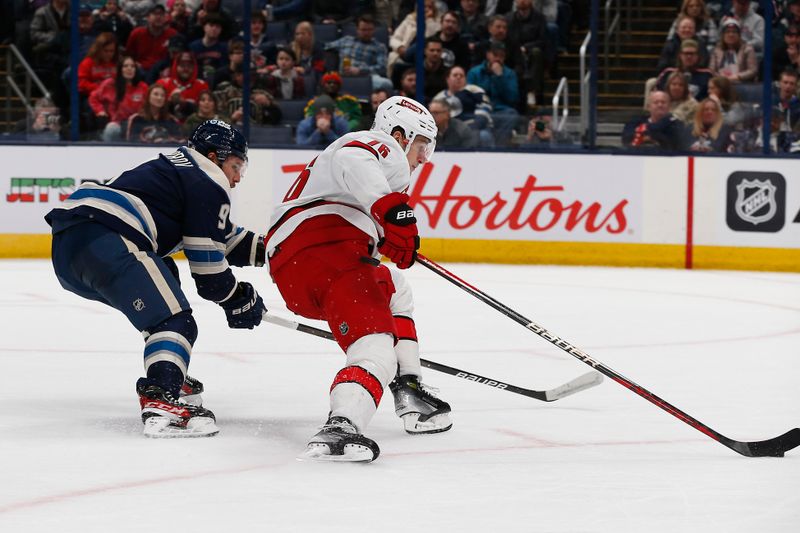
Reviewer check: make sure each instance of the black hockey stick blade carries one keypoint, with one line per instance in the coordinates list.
(775, 447)
(588, 380)
(768, 448)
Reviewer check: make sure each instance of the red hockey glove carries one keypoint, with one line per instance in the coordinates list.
(400, 240)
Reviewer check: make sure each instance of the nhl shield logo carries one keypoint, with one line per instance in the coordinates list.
(344, 328)
(755, 201)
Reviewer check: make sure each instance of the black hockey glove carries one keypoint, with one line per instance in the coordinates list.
(244, 308)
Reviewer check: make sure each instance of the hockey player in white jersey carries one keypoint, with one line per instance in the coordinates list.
(346, 209)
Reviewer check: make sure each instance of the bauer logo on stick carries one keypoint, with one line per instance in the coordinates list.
(756, 201)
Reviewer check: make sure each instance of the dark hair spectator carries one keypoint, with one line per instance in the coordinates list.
(262, 51)
(363, 54)
(148, 44)
(282, 80)
(154, 124)
(210, 50)
(206, 110)
(501, 86)
(455, 49)
(787, 53)
(435, 69)
(111, 18)
(208, 8)
(117, 98)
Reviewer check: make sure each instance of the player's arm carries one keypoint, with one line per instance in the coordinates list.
(244, 248)
(363, 175)
(205, 236)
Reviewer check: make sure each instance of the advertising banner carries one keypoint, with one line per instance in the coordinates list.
(749, 203)
(520, 197)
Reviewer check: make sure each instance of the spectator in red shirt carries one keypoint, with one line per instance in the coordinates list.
(183, 87)
(99, 64)
(118, 98)
(148, 44)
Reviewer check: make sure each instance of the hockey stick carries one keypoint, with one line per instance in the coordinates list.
(774, 447)
(588, 380)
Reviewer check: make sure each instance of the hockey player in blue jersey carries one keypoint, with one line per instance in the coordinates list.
(111, 243)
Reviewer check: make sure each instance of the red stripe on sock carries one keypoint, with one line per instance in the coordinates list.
(356, 374)
(405, 328)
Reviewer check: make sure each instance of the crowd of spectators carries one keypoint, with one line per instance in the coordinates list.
(151, 69)
(706, 92)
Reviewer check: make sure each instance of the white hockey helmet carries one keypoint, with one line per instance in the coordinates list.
(410, 116)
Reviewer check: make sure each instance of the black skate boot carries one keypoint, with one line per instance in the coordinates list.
(420, 410)
(339, 440)
(190, 391)
(166, 417)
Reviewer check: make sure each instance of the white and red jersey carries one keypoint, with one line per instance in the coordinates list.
(345, 180)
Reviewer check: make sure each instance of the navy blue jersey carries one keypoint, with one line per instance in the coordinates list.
(178, 201)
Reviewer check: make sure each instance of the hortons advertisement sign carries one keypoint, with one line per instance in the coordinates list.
(515, 196)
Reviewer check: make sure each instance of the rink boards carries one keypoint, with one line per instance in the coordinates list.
(578, 209)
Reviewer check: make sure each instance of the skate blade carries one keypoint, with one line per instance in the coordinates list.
(435, 424)
(353, 453)
(158, 427)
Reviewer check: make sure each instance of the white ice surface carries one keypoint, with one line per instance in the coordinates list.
(722, 346)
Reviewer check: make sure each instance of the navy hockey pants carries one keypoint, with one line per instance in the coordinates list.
(97, 263)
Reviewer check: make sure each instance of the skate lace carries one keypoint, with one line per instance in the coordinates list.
(430, 391)
(338, 424)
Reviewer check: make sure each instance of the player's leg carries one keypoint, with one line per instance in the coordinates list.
(416, 404)
(336, 285)
(97, 263)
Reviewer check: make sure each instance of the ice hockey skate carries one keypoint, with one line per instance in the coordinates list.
(338, 440)
(416, 405)
(191, 392)
(166, 417)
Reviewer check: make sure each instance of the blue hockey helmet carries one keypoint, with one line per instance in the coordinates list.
(218, 137)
